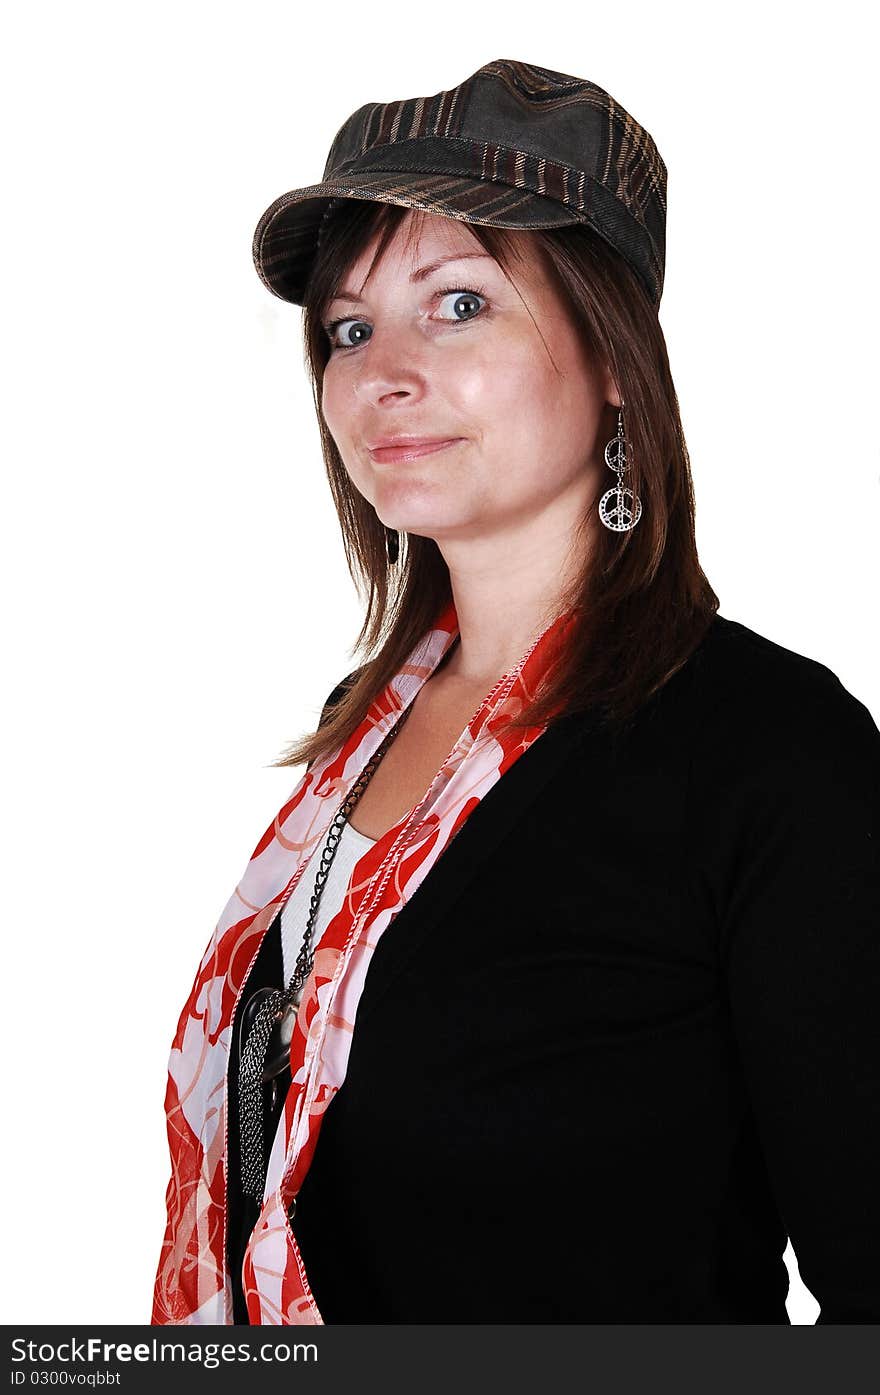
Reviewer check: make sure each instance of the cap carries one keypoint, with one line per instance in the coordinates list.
(512, 146)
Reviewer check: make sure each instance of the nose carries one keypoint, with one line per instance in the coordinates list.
(391, 366)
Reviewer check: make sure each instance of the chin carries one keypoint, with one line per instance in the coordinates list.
(432, 512)
(427, 522)
(440, 532)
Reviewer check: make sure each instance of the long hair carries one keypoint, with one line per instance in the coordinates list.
(641, 600)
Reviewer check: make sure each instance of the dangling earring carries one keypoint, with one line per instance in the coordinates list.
(619, 509)
(392, 539)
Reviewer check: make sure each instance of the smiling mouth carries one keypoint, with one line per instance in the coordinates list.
(387, 454)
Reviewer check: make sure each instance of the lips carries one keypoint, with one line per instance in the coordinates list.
(410, 448)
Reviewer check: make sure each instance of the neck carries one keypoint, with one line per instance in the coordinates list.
(505, 597)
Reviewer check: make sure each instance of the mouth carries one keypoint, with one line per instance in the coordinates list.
(411, 450)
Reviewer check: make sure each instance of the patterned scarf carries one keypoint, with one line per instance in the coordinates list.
(192, 1283)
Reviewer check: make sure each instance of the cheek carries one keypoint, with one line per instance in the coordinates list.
(492, 382)
(337, 401)
(522, 395)
(333, 401)
(561, 398)
(538, 404)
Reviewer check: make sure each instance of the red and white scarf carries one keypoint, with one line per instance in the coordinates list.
(192, 1283)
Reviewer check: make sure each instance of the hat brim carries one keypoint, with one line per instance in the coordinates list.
(286, 236)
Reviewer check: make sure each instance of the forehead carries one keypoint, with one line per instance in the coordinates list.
(423, 238)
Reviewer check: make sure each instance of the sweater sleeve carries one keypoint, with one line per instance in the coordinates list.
(797, 901)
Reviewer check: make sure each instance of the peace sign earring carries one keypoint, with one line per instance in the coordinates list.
(619, 508)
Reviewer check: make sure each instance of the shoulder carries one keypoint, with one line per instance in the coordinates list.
(736, 656)
(783, 797)
(336, 694)
(757, 703)
(747, 676)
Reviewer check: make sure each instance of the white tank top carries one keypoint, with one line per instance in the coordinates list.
(350, 848)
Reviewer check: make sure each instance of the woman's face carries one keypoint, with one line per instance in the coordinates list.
(450, 352)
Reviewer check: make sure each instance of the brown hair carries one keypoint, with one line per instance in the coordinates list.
(642, 601)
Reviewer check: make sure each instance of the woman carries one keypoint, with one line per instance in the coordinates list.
(622, 1042)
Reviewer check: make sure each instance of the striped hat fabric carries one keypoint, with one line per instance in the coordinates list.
(514, 146)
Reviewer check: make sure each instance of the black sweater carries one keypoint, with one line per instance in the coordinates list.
(623, 1040)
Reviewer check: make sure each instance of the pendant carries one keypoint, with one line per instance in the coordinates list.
(278, 1049)
(278, 1046)
(619, 509)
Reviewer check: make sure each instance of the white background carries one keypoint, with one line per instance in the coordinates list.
(177, 601)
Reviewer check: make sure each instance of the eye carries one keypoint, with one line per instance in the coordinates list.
(359, 329)
(466, 305)
(465, 302)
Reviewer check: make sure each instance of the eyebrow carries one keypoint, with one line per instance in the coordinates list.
(420, 274)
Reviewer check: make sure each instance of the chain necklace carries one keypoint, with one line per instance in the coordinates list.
(269, 1016)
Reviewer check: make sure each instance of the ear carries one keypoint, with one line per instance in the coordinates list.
(610, 387)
